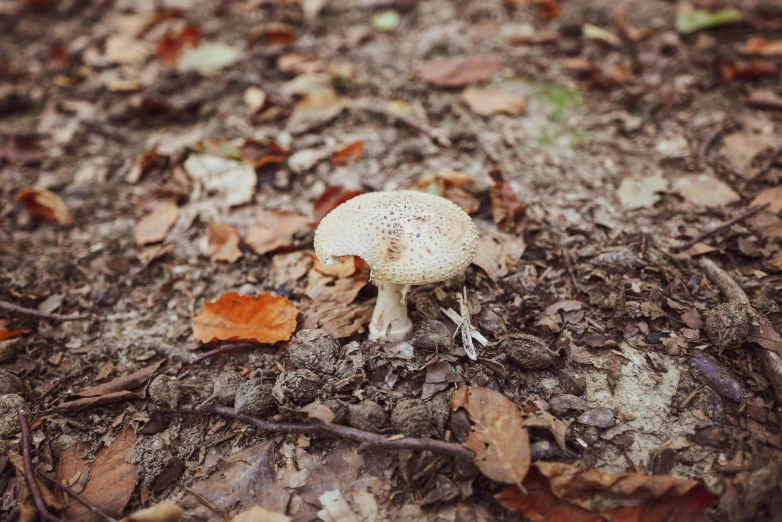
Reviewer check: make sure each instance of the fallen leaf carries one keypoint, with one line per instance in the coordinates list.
(771, 195)
(761, 46)
(51, 303)
(255, 98)
(10, 334)
(316, 109)
(27, 511)
(453, 178)
(161, 512)
(274, 33)
(558, 492)
(331, 198)
(750, 71)
(273, 230)
(498, 252)
(493, 101)
(233, 179)
(318, 411)
(641, 192)
(124, 383)
(290, 266)
(460, 71)
(345, 266)
(348, 154)
(174, 42)
(143, 163)
(705, 190)
(223, 242)
(740, 148)
(25, 149)
(259, 514)
(335, 508)
(155, 226)
(505, 204)
(547, 8)
(112, 479)
(766, 225)
(148, 254)
(386, 21)
(545, 420)
(337, 321)
(690, 20)
(765, 335)
(463, 199)
(340, 291)
(764, 100)
(497, 436)
(262, 152)
(125, 49)
(208, 58)
(233, 317)
(594, 32)
(46, 205)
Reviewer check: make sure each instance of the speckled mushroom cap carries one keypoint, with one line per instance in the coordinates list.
(407, 237)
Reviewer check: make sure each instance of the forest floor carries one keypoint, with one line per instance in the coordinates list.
(159, 155)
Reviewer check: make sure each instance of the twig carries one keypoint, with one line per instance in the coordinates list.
(41, 315)
(766, 165)
(466, 326)
(379, 107)
(222, 349)
(315, 428)
(569, 263)
(173, 352)
(29, 475)
(716, 230)
(83, 501)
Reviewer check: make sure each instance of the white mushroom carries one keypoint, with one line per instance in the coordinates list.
(407, 238)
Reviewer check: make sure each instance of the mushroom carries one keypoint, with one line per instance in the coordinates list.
(407, 238)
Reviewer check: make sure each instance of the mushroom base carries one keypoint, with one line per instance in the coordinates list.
(389, 320)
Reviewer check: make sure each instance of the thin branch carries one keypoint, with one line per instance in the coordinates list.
(570, 268)
(83, 501)
(315, 428)
(29, 475)
(222, 349)
(716, 230)
(41, 315)
(379, 107)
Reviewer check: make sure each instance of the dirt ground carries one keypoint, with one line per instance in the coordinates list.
(609, 152)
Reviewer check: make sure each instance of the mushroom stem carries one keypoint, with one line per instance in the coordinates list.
(390, 321)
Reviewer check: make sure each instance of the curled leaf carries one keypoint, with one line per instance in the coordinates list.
(223, 242)
(46, 205)
(155, 226)
(273, 230)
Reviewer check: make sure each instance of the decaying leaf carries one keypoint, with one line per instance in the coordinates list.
(337, 321)
(331, 198)
(208, 58)
(259, 514)
(347, 154)
(740, 148)
(319, 411)
(463, 199)
(641, 192)
(119, 389)
(174, 42)
(493, 101)
(336, 290)
(345, 266)
(545, 420)
(290, 266)
(498, 437)
(143, 163)
(10, 334)
(558, 492)
(46, 205)
(767, 225)
(27, 510)
(460, 71)
(234, 317)
(233, 179)
(773, 196)
(336, 508)
(223, 242)
(765, 335)
(111, 479)
(155, 226)
(498, 252)
(273, 230)
(705, 190)
(160, 512)
(505, 204)
(761, 46)
(319, 105)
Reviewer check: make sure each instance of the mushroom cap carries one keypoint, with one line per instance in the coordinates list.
(406, 237)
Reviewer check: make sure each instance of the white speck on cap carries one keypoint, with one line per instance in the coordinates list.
(407, 237)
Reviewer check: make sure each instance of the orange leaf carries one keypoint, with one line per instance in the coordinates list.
(505, 204)
(223, 242)
(498, 437)
(493, 101)
(759, 45)
(274, 230)
(234, 317)
(460, 71)
(172, 44)
(464, 199)
(261, 153)
(155, 226)
(345, 266)
(548, 8)
(558, 492)
(331, 198)
(275, 33)
(46, 205)
(10, 334)
(771, 195)
(347, 154)
(453, 178)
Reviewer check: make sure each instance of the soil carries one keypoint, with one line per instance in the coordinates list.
(588, 295)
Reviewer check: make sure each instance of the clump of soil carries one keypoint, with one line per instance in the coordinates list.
(339, 409)
(298, 387)
(225, 388)
(10, 383)
(254, 397)
(528, 351)
(10, 405)
(314, 350)
(727, 324)
(165, 390)
(412, 417)
(432, 335)
(152, 453)
(368, 416)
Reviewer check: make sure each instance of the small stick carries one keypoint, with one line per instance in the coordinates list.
(316, 428)
(83, 501)
(716, 230)
(222, 349)
(380, 108)
(767, 165)
(569, 263)
(41, 315)
(29, 475)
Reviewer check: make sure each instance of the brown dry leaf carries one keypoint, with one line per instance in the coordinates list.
(460, 71)
(148, 254)
(705, 190)
(558, 492)
(318, 411)
(290, 266)
(234, 317)
(273, 230)
(171, 45)
(259, 514)
(773, 196)
(331, 198)
(345, 266)
(112, 479)
(767, 225)
(547, 8)
(26, 505)
(505, 204)
(317, 108)
(740, 148)
(498, 437)
(498, 252)
(761, 46)
(336, 290)
(337, 321)
(155, 226)
(274, 33)
(348, 154)
(765, 335)
(25, 149)
(262, 152)
(453, 178)
(223, 242)
(46, 205)
(493, 101)
(764, 100)
(160, 512)
(143, 163)
(545, 420)
(463, 199)
(119, 389)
